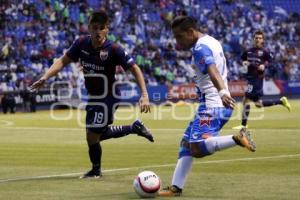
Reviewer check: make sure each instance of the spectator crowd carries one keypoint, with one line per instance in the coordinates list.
(35, 32)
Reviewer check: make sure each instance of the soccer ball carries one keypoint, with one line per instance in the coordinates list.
(146, 184)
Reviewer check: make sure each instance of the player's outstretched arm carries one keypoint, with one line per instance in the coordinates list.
(53, 70)
(139, 77)
(218, 82)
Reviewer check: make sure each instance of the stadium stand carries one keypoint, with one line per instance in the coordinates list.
(34, 32)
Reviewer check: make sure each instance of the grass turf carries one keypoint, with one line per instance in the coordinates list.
(42, 158)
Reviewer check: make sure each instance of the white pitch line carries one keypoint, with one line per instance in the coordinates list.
(154, 129)
(44, 128)
(148, 167)
(7, 123)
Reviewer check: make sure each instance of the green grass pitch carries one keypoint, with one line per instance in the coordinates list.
(42, 158)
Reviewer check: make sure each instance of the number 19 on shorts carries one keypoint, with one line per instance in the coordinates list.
(249, 88)
(98, 118)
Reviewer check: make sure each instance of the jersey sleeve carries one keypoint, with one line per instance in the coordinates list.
(123, 58)
(244, 56)
(203, 58)
(268, 56)
(74, 51)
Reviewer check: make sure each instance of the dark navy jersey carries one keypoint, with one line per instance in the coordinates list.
(99, 65)
(256, 56)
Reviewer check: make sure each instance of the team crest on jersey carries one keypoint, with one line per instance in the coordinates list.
(205, 121)
(202, 61)
(260, 52)
(103, 55)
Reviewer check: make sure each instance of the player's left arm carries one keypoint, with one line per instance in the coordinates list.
(245, 63)
(127, 62)
(268, 57)
(139, 77)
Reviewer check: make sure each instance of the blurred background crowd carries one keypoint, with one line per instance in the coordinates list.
(35, 32)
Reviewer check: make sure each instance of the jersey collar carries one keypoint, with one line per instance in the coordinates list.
(105, 44)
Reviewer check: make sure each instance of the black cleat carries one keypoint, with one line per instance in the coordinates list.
(91, 174)
(139, 128)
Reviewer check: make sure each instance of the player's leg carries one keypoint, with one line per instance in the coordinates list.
(112, 131)
(210, 145)
(184, 163)
(242, 138)
(120, 131)
(4, 106)
(96, 123)
(202, 144)
(183, 166)
(245, 113)
(116, 132)
(272, 102)
(95, 154)
(286, 103)
(196, 131)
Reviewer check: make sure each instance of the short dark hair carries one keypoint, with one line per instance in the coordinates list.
(184, 22)
(99, 17)
(259, 32)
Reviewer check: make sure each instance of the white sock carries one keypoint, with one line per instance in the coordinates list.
(183, 166)
(219, 143)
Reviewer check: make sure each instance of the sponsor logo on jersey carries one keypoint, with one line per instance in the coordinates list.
(85, 52)
(202, 61)
(91, 67)
(260, 52)
(103, 55)
(195, 136)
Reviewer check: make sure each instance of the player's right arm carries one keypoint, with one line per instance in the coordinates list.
(218, 82)
(127, 62)
(72, 55)
(245, 63)
(205, 61)
(53, 71)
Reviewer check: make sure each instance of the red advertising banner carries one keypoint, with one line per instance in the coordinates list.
(237, 88)
(183, 91)
(189, 91)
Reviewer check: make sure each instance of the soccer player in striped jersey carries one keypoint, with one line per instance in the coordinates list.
(202, 136)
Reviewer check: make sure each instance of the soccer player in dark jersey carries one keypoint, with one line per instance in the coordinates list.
(255, 60)
(98, 58)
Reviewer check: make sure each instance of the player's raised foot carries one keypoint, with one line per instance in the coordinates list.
(286, 103)
(91, 174)
(239, 127)
(139, 128)
(170, 191)
(244, 140)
